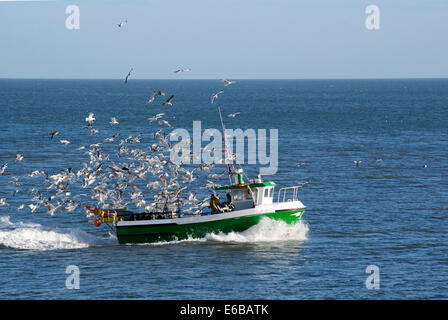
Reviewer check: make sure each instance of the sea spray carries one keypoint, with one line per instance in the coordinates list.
(32, 236)
(267, 230)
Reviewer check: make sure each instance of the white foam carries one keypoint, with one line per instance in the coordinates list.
(29, 236)
(267, 230)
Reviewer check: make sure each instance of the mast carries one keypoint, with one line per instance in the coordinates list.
(229, 168)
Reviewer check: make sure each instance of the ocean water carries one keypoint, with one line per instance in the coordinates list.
(390, 212)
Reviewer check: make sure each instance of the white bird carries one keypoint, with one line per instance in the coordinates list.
(66, 142)
(3, 202)
(168, 102)
(151, 100)
(53, 134)
(2, 170)
(37, 173)
(233, 115)
(182, 70)
(19, 158)
(90, 119)
(128, 76)
(113, 121)
(357, 163)
(122, 23)
(164, 122)
(227, 82)
(156, 117)
(215, 96)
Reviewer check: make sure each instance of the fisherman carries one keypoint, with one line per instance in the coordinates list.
(229, 206)
(215, 205)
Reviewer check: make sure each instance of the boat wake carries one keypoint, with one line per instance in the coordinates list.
(267, 230)
(33, 236)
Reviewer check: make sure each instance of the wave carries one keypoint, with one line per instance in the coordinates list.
(32, 236)
(267, 230)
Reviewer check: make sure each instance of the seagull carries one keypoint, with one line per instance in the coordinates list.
(19, 158)
(182, 70)
(425, 166)
(168, 102)
(233, 115)
(93, 131)
(66, 142)
(53, 134)
(122, 23)
(3, 202)
(357, 163)
(128, 76)
(227, 82)
(113, 120)
(164, 122)
(156, 117)
(151, 100)
(2, 170)
(160, 93)
(90, 119)
(215, 96)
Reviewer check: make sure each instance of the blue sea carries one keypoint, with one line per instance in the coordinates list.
(390, 211)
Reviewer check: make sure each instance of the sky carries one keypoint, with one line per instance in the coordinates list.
(234, 39)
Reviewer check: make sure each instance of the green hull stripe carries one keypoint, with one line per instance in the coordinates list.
(168, 232)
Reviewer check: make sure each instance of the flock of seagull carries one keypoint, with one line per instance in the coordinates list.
(119, 178)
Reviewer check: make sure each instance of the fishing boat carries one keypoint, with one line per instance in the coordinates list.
(247, 203)
(250, 202)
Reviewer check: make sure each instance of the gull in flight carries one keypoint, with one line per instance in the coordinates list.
(128, 76)
(215, 96)
(122, 23)
(90, 119)
(182, 70)
(164, 122)
(3, 202)
(151, 100)
(19, 158)
(156, 117)
(168, 102)
(233, 115)
(160, 93)
(227, 82)
(2, 170)
(357, 163)
(53, 134)
(66, 142)
(113, 120)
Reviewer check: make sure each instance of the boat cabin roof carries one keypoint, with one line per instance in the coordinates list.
(244, 186)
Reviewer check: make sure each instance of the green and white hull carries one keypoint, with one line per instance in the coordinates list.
(144, 231)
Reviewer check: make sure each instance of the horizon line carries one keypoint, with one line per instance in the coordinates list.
(144, 79)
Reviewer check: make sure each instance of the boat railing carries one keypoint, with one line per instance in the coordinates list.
(288, 194)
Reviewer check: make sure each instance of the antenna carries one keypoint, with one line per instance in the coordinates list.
(229, 170)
